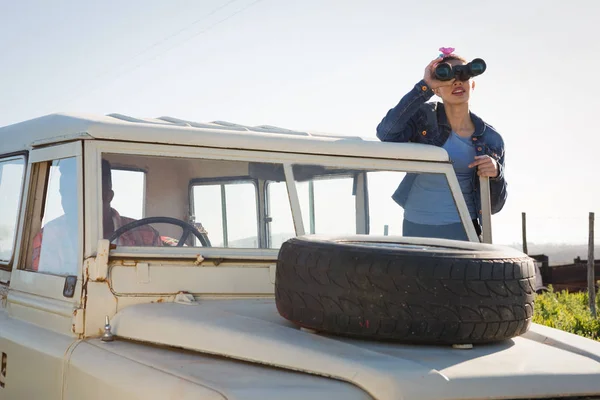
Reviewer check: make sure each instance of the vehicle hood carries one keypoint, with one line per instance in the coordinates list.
(542, 363)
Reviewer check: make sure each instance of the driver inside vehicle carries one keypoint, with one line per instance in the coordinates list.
(143, 235)
(55, 242)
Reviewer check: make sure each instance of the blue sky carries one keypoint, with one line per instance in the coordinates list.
(327, 65)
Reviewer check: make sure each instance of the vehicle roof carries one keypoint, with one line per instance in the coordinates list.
(61, 127)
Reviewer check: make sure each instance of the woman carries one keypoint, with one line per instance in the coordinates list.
(474, 147)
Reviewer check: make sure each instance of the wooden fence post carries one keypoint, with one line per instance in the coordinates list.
(524, 227)
(591, 278)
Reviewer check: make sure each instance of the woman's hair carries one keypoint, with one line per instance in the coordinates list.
(452, 57)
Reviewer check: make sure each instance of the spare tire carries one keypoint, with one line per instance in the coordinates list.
(414, 290)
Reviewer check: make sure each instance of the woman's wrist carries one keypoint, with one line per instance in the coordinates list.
(424, 88)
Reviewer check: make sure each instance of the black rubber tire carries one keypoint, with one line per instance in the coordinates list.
(409, 290)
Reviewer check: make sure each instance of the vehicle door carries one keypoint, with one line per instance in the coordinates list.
(42, 317)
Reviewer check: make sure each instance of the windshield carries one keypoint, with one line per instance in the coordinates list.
(154, 201)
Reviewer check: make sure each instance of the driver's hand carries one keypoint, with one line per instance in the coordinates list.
(168, 241)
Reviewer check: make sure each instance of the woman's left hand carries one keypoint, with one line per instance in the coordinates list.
(486, 166)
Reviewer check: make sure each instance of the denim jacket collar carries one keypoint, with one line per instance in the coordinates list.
(443, 120)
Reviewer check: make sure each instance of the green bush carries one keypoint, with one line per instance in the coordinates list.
(568, 312)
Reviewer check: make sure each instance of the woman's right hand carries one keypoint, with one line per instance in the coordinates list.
(429, 76)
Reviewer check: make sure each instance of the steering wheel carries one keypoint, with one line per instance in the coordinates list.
(186, 226)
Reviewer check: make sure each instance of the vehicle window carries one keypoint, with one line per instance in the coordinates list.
(328, 205)
(335, 201)
(11, 186)
(228, 212)
(55, 247)
(128, 187)
(419, 195)
(218, 197)
(246, 204)
(385, 215)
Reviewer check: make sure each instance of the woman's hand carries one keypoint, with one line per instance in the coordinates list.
(429, 76)
(486, 166)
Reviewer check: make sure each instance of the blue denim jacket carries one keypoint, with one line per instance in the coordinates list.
(416, 120)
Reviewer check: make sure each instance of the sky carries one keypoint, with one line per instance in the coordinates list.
(332, 66)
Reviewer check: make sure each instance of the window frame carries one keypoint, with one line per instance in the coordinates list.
(40, 283)
(267, 212)
(94, 150)
(6, 265)
(39, 183)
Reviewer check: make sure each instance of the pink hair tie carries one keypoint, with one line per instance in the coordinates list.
(446, 51)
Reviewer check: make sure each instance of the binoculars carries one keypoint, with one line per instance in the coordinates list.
(445, 72)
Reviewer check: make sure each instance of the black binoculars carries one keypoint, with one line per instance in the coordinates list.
(445, 72)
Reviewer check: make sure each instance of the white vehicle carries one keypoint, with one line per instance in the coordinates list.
(168, 259)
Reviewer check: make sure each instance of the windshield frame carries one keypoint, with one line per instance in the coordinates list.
(93, 207)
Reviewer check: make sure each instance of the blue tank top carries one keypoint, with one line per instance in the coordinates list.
(430, 201)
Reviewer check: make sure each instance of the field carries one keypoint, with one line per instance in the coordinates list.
(568, 312)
